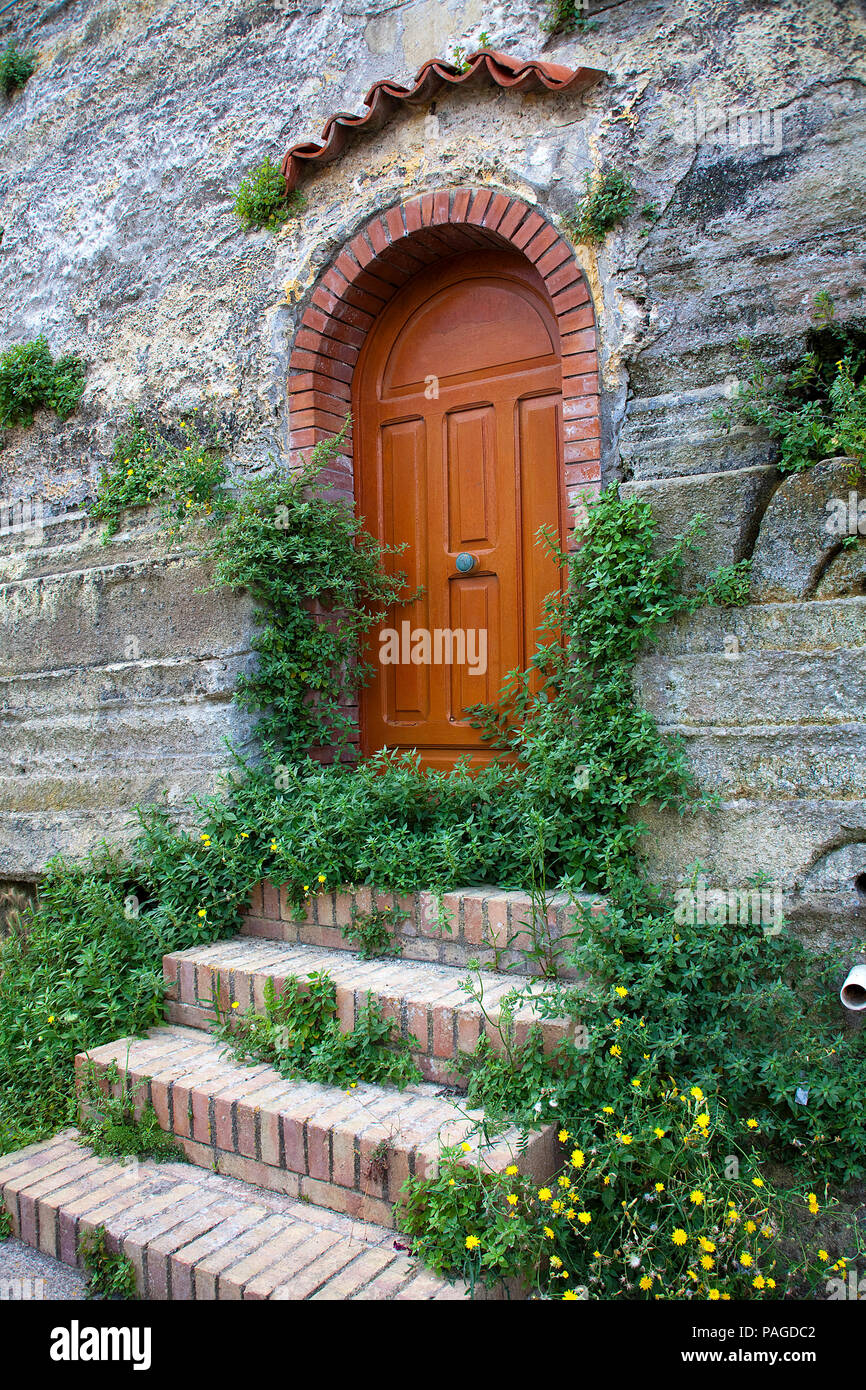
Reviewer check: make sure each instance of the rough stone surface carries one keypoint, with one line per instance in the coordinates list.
(118, 165)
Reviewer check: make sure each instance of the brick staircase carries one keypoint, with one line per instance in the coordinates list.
(292, 1185)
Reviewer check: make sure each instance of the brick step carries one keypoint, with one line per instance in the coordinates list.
(191, 1233)
(424, 1001)
(348, 1150)
(484, 924)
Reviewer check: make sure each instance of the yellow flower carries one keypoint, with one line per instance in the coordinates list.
(577, 1158)
(813, 1204)
(465, 1147)
(697, 1093)
(636, 1083)
(472, 1242)
(556, 1206)
(615, 1051)
(752, 1124)
(646, 1282)
(584, 1218)
(626, 1138)
(758, 1182)
(703, 1120)
(771, 1283)
(607, 1110)
(697, 1197)
(758, 1281)
(202, 912)
(544, 1194)
(726, 1298)
(236, 1005)
(511, 1199)
(705, 1244)
(679, 1236)
(621, 992)
(563, 1181)
(746, 1259)
(322, 878)
(556, 1262)
(659, 1133)
(511, 1170)
(548, 1232)
(563, 1136)
(822, 1254)
(660, 1187)
(706, 1261)
(713, 1295)
(750, 1227)
(50, 1018)
(244, 835)
(129, 472)
(617, 1023)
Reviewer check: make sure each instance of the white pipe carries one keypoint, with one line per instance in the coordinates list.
(853, 992)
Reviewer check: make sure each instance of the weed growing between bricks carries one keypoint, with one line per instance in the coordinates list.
(298, 1033)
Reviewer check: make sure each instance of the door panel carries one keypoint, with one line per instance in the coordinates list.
(456, 402)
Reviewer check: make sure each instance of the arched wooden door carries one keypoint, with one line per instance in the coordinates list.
(457, 404)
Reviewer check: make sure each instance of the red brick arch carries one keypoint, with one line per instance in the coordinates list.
(386, 253)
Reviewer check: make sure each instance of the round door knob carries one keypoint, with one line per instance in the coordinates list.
(465, 562)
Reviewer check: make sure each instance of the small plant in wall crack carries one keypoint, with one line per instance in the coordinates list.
(177, 466)
(31, 379)
(609, 199)
(261, 200)
(16, 68)
(566, 17)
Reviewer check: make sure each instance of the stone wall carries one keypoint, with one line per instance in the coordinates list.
(118, 165)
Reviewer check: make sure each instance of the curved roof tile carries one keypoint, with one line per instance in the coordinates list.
(386, 96)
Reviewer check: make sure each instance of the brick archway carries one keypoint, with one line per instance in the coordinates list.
(386, 253)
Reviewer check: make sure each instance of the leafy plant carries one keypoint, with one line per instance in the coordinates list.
(111, 1274)
(261, 199)
(120, 1125)
(180, 468)
(299, 1033)
(31, 378)
(15, 68)
(5, 1224)
(818, 408)
(729, 585)
(372, 933)
(566, 17)
(609, 198)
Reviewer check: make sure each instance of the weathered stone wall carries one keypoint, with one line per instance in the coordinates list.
(118, 165)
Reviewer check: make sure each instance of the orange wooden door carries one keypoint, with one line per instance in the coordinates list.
(457, 407)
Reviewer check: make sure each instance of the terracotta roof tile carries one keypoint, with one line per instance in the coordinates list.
(385, 97)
